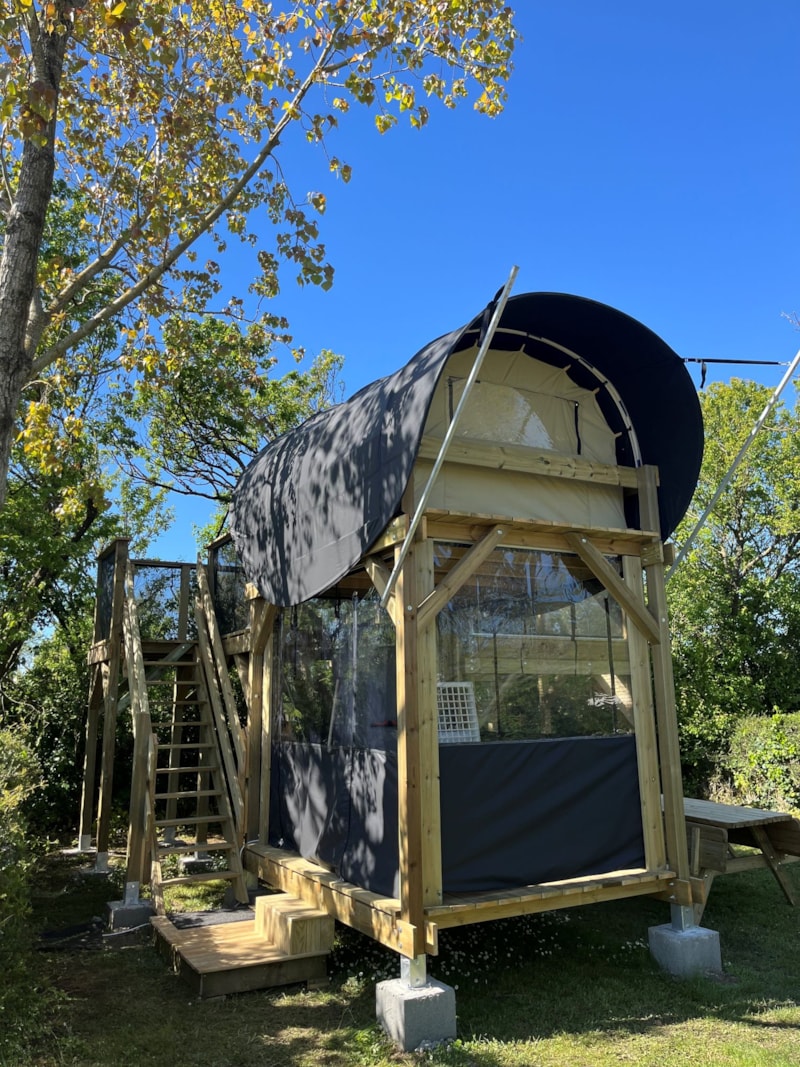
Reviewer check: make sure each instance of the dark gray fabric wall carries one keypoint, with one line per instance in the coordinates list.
(513, 812)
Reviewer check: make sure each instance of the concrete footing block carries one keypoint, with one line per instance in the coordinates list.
(121, 915)
(416, 1016)
(685, 953)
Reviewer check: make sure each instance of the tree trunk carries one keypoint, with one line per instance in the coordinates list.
(23, 236)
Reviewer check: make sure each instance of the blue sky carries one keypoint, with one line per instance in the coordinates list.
(648, 158)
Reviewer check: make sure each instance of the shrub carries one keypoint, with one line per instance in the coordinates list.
(19, 776)
(762, 764)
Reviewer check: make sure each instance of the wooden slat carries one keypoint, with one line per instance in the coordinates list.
(540, 462)
(466, 528)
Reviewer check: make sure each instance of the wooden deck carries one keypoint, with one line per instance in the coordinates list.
(237, 957)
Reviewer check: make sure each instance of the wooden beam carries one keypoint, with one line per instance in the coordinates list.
(550, 897)
(428, 736)
(379, 576)
(645, 728)
(262, 616)
(474, 453)
(433, 603)
(605, 573)
(138, 867)
(268, 681)
(394, 534)
(90, 756)
(664, 690)
(409, 785)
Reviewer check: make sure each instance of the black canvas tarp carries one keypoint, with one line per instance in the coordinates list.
(513, 813)
(309, 506)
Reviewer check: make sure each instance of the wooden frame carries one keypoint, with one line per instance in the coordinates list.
(409, 924)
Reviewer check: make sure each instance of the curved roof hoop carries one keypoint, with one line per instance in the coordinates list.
(609, 387)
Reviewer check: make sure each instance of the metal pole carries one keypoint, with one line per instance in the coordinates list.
(448, 437)
(723, 485)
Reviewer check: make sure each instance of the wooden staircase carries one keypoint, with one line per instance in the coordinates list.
(187, 805)
(191, 814)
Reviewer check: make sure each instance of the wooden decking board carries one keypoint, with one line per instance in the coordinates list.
(230, 957)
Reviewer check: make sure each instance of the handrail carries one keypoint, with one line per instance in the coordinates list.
(220, 662)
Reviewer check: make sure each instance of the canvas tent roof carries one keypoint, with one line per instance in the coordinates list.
(308, 507)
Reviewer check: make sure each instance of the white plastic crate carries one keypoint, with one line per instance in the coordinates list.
(458, 716)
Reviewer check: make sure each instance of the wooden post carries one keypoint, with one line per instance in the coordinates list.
(427, 676)
(138, 869)
(664, 685)
(90, 759)
(419, 827)
(645, 728)
(259, 738)
(184, 602)
(99, 698)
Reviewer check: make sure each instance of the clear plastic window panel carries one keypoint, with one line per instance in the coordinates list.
(336, 662)
(229, 581)
(158, 600)
(541, 643)
(105, 594)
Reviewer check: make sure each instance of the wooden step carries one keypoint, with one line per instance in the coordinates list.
(292, 925)
(185, 745)
(195, 846)
(188, 770)
(192, 793)
(232, 957)
(195, 820)
(203, 876)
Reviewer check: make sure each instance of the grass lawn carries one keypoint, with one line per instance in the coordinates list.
(574, 989)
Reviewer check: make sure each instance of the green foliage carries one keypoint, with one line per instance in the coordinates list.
(18, 779)
(207, 402)
(735, 600)
(763, 763)
(47, 701)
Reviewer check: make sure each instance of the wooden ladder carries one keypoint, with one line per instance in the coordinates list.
(192, 817)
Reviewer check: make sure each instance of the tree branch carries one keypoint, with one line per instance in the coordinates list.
(112, 309)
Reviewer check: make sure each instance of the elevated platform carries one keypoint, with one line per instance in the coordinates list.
(379, 917)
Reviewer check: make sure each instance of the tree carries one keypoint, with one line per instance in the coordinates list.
(735, 599)
(191, 423)
(169, 118)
